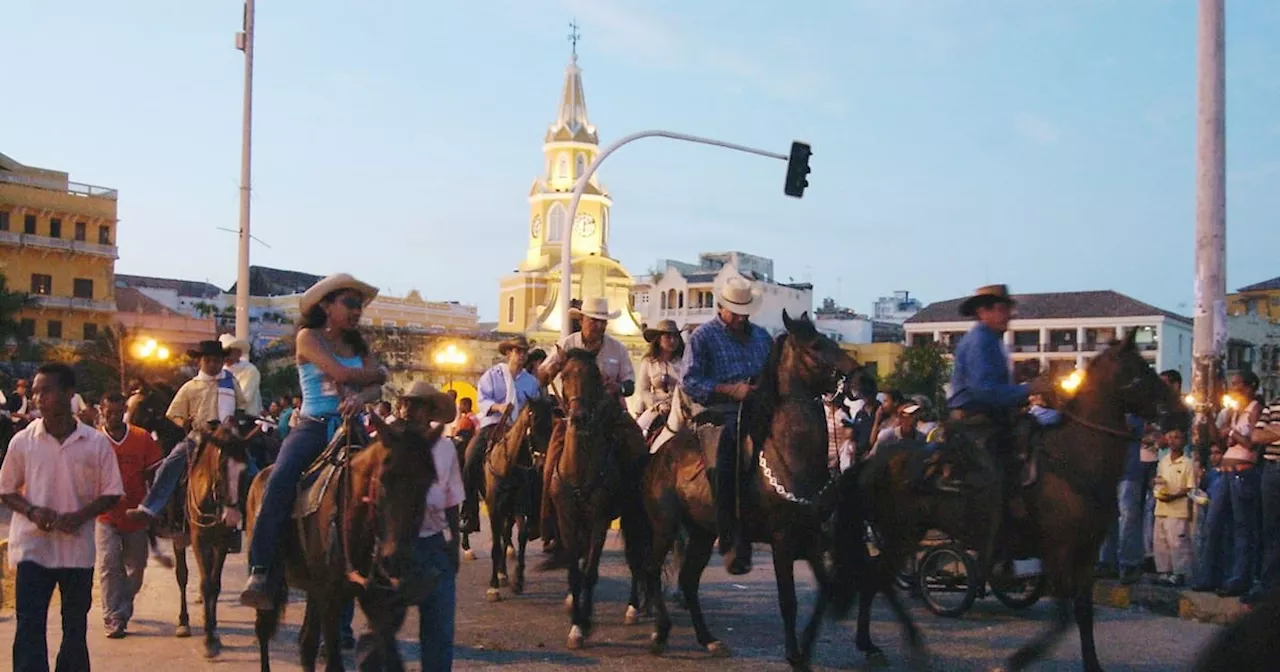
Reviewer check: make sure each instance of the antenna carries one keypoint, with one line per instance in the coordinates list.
(251, 236)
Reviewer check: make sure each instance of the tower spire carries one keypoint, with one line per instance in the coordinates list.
(571, 122)
(574, 38)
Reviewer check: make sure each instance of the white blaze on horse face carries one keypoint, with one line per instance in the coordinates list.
(235, 469)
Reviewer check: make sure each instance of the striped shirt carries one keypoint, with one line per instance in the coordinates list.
(1270, 421)
(715, 356)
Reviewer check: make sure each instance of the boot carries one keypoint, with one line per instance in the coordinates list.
(257, 592)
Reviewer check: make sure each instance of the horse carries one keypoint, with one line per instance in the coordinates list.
(513, 489)
(1247, 645)
(784, 505)
(1061, 517)
(354, 524)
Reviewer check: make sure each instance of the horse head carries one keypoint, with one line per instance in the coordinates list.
(146, 409)
(582, 386)
(391, 477)
(809, 362)
(541, 418)
(1122, 378)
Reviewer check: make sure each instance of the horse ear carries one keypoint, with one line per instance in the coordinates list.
(1130, 339)
(786, 320)
(378, 424)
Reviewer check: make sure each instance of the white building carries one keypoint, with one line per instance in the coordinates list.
(686, 292)
(897, 308)
(1063, 330)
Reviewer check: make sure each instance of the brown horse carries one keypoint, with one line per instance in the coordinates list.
(1062, 517)
(368, 508)
(513, 489)
(787, 501)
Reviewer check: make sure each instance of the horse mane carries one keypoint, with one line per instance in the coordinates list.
(764, 401)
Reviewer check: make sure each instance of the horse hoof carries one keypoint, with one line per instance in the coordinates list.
(212, 648)
(568, 604)
(511, 552)
(468, 555)
(719, 649)
(182, 631)
(199, 599)
(576, 638)
(657, 646)
(503, 581)
(518, 588)
(632, 617)
(492, 595)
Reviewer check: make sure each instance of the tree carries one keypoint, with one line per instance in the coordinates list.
(922, 369)
(12, 303)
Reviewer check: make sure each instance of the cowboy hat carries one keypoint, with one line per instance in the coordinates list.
(516, 342)
(739, 296)
(336, 283)
(596, 308)
(230, 342)
(207, 349)
(441, 405)
(984, 297)
(664, 327)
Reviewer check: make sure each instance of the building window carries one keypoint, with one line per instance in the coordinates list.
(581, 168)
(90, 331)
(27, 328)
(55, 328)
(80, 231)
(511, 309)
(82, 288)
(41, 284)
(555, 223)
(55, 228)
(104, 235)
(4, 220)
(662, 301)
(680, 299)
(29, 225)
(562, 167)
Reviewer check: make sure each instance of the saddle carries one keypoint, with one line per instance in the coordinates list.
(938, 468)
(325, 472)
(708, 425)
(655, 430)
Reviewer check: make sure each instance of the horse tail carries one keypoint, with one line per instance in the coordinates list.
(267, 623)
(849, 550)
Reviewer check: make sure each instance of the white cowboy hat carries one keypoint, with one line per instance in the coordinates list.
(739, 296)
(336, 283)
(230, 342)
(442, 406)
(596, 307)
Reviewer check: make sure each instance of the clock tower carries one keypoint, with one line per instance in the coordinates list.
(529, 300)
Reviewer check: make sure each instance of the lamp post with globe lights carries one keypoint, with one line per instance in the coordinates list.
(142, 349)
(450, 358)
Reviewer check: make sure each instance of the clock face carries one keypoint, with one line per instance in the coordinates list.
(535, 227)
(584, 225)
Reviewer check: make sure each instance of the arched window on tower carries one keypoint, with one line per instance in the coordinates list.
(581, 166)
(604, 226)
(662, 301)
(671, 299)
(562, 167)
(555, 223)
(680, 297)
(511, 309)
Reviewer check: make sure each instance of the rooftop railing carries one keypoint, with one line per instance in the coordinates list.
(33, 240)
(73, 188)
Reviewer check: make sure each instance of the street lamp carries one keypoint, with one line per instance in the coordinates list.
(142, 350)
(450, 358)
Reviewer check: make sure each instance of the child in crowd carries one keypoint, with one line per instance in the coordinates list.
(1210, 484)
(1174, 481)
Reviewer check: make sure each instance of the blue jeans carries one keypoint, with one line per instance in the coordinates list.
(436, 614)
(1233, 526)
(1148, 517)
(167, 478)
(1123, 546)
(33, 589)
(727, 479)
(299, 450)
(1271, 524)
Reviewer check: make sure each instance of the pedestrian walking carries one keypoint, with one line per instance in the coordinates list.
(123, 543)
(59, 476)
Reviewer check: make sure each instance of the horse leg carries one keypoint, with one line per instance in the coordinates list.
(518, 586)
(699, 547)
(576, 635)
(810, 635)
(508, 549)
(331, 622)
(497, 557)
(592, 575)
(659, 548)
(1084, 620)
(309, 636)
(209, 563)
(181, 572)
(784, 570)
(1036, 648)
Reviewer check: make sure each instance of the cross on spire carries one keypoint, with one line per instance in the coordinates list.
(574, 37)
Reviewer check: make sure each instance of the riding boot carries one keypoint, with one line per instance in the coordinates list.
(257, 593)
(547, 510)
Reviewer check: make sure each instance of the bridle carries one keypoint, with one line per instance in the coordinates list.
(1076, 418)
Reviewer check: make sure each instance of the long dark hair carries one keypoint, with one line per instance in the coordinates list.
(655, 347)
(316, 319)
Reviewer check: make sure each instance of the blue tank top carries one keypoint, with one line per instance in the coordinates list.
(320, 394)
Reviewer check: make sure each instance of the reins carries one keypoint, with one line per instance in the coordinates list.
(1088, 424)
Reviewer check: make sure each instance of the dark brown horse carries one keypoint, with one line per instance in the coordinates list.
(357, 542)
(1062, 517)
(790, 494)
(513, 489)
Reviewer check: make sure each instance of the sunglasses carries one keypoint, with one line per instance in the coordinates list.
(351, 302)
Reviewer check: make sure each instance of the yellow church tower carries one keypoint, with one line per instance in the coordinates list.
(529, 301)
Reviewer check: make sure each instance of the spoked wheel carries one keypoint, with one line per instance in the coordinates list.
(1017, 592)
(946, 580)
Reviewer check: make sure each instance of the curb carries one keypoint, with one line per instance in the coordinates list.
(1175, 602)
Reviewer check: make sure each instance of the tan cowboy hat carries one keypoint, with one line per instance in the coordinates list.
(652, 334)
(335, 283)
(596, 308)
(442, 407)
(230, 342)
(985, 296)
(739, 296)
(516, 342)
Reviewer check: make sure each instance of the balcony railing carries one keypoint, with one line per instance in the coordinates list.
(76, 246)
(73, 188)
(72, 303)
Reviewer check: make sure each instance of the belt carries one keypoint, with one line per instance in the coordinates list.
(1236, 468)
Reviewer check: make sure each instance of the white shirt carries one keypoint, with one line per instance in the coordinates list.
(250, 381)
(446, 492)
(65, 477)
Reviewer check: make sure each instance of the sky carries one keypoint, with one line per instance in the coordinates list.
(1047, 144)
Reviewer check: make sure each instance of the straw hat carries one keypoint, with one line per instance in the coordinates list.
(984, 297)
(517, 342)
(441, 406)
(230, 342)
(664, 327)
(596, 308)
(739, 297)
(335, 283)
(207, 349)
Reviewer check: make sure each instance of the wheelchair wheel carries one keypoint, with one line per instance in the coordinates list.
(1018, 593)
(945, 580)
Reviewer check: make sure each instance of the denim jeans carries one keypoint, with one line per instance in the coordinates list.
(167, 478)
(299, 450)
(1234, 527)
(1215, 544)
(1271, 524)
(1148, 516)
(33, 590)
(1123, 549)
(436, 614)
(727, 477)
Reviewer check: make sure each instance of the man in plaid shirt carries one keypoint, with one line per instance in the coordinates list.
(722, 362)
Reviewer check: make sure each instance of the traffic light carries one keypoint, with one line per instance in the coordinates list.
(797, 170)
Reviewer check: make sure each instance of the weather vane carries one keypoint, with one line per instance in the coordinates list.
(574, 37)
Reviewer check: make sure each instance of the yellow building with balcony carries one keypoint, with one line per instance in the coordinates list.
(58, 243)
(1261, 299)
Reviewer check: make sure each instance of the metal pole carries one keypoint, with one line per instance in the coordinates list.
(1211, 213)
(242, 277)
(566, 243)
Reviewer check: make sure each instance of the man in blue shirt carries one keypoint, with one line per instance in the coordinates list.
(724, 359)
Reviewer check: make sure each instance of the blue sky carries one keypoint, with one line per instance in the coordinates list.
(1047, 144)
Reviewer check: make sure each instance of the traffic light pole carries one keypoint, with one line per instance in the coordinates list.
(566, 246)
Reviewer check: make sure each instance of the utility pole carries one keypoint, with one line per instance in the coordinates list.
(244, 42)
(1210, 310)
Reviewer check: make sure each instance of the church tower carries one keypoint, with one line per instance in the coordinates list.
(528, 300)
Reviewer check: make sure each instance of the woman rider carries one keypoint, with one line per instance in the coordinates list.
(333, 363)
(659, 373)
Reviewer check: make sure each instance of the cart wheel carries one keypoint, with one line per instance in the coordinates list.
(945, 582)
(1018, 593)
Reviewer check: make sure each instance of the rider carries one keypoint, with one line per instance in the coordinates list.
(211, 397)
(724, 358)
(503, 390)
(333, 362)
(659, 373)
(619, 380)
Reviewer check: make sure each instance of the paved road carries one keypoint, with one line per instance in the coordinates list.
(528, 632)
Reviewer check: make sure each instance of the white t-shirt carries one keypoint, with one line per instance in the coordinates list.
(446, 492)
